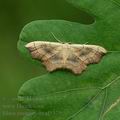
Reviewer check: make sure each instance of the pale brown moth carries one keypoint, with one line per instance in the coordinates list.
(74, 57)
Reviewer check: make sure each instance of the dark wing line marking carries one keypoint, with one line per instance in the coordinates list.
(87, 58)
(78, 56)
(36, 47)
(94, 54)
(52, 56)
(57, 52)
(38, 51)
(44, 54)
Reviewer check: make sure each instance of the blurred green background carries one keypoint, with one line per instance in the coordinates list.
(15, 69)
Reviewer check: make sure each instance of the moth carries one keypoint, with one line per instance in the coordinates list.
(75, 57)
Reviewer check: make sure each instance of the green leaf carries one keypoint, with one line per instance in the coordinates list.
(61, 95)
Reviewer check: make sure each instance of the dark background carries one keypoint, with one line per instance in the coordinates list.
(15, 69)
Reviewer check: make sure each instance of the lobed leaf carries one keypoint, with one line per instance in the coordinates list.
(61, 95)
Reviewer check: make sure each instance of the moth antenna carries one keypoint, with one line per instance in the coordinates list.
(56, 38)
(86, 43)
(113, 51)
